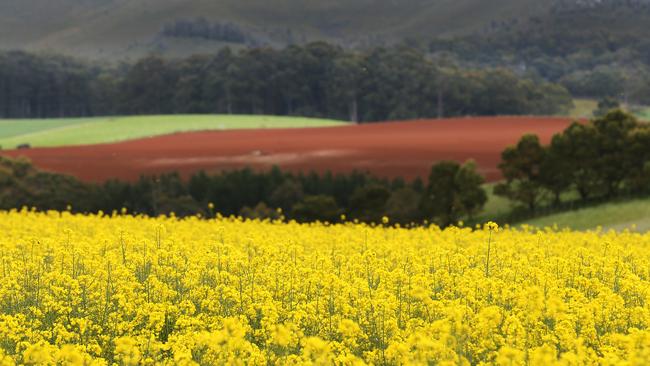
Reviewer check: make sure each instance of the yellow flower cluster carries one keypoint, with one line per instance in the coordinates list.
(105, 290)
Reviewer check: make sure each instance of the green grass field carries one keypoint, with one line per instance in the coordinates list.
(495, 206)
(584, 108)
(643, 113)
(616, 215)
(79, 131)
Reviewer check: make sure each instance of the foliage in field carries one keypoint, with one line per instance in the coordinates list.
(602, 159)
(454, 193)
(136, 290)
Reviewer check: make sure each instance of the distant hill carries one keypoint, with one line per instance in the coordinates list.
(130, 28)
(118, 29)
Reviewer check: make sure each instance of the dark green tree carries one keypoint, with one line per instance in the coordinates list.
(638, 158)
(613, 141)
(148, 87)
(454, 191)
(368, 203)
(260, 211)
(316, 208)
(403, 206)
(286, 195)
(521, 167)
(556, 170)
(578, 147)
(606, 105)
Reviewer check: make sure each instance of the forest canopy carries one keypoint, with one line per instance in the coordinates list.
(315, 80)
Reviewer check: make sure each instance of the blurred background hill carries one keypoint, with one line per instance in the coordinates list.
(132, 28)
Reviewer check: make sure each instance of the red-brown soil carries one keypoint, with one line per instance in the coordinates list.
(404, 149)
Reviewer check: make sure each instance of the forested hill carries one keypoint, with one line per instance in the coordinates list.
(591, 48)
(132, 28)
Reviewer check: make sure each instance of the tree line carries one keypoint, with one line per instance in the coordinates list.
(603, 159)
(314, 80)
(203, 29)
(453, 192)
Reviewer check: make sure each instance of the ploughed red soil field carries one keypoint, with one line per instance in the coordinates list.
(404, 149)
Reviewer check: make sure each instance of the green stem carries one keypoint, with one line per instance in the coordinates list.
(487, 262)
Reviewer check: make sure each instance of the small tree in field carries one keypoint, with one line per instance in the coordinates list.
(403, 206)
(368, 203)
(313, 208)
(605, 106)
(454, 191)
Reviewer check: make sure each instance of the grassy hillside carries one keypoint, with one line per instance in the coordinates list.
(617, 216)
(614, 215)
(123, 28)
(79, 131)
(644, 113)
(496, 206)
(118, 29)
(584, 108)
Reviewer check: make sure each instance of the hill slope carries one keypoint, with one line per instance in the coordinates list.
(616, 216)
(130, 29)
(121, 28)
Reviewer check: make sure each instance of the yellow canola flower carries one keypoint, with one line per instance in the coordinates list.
(117, 289)
(492, 226)
(127, 351)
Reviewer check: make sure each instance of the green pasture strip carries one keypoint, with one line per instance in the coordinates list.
(64, 132)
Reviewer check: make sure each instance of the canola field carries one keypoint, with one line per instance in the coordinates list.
(123, 290)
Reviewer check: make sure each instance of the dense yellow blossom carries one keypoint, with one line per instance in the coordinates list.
(105, 290)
